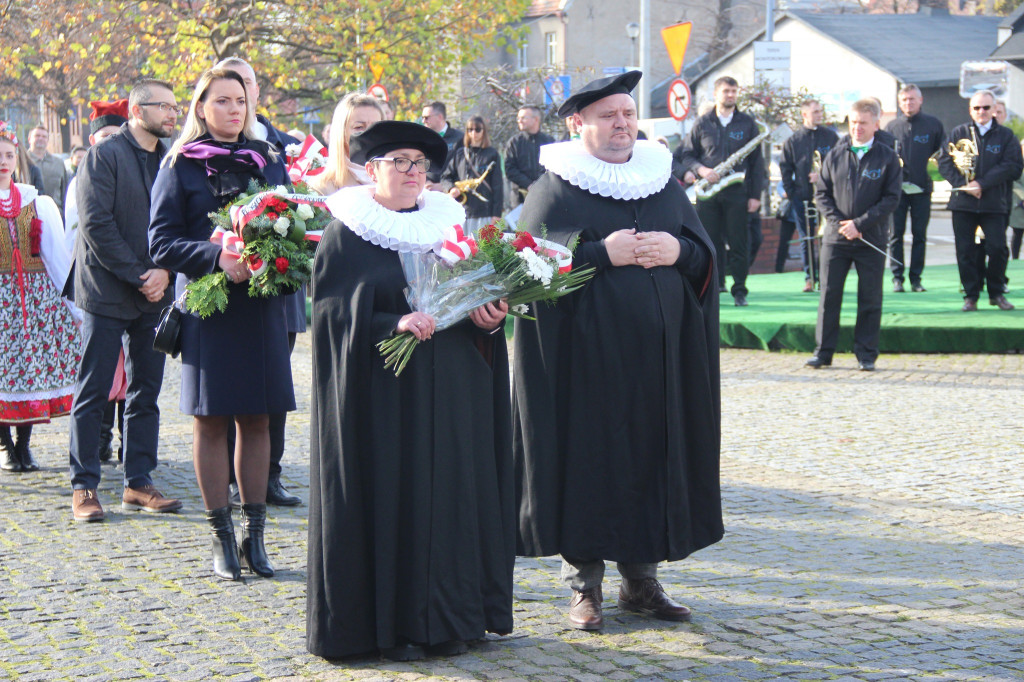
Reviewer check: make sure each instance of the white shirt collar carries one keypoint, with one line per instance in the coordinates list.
(415, 232)
(986, 128)
(259, 130)
(646, 172)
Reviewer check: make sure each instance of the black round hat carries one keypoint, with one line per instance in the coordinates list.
(386, 136)
(599, 89)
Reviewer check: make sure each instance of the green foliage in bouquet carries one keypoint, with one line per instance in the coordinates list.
(274, 237)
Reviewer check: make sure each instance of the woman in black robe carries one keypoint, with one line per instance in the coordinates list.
(411, 523)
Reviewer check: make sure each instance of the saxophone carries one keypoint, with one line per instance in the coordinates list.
(467, 187)
(702, 189)
(965, 157)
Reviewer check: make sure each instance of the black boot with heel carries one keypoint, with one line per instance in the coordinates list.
(22, 451)
(254, 519)
(8, 460)
(225, 554)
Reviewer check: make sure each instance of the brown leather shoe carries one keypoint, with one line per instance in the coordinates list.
(148, 499)
(85, 506)
(970, 305)
(1001, 302)
(648, 597)
(585, 609)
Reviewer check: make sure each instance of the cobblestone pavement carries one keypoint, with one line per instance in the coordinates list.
(873, 533)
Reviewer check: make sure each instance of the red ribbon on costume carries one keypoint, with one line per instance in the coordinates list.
(17, 264)
(456, 245)
(308, 162)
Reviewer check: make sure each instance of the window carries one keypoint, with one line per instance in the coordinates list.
(521, 57)
(550, 48)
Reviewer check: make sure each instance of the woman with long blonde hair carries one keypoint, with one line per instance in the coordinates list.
(355, 113)
(235, 362)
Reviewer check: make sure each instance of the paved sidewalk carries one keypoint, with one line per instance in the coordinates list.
(874, 531)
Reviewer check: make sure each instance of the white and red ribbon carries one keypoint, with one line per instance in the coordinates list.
(302, 166)
(241, 214)
(456, 245)
(561, 255)
(231, 244)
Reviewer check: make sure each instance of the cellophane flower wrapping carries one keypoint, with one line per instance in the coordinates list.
(273, 230)
(465, 273)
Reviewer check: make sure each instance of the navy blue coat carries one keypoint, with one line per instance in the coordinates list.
(235, 362)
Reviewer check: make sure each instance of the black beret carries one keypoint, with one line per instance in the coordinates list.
(386, 136)
(622, 84)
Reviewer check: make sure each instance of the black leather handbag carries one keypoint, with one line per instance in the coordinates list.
(167, 338)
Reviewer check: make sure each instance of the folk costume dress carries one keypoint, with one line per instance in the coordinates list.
(411, 523)
(39, 340)
(616, 392)
(238, 361)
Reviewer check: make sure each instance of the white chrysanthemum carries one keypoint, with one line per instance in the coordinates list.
(281, 226)
(521, 309)
(538, 268)
(281, 190)
(304, 211)
(292, 150)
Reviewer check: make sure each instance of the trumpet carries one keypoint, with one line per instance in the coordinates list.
(467, 187)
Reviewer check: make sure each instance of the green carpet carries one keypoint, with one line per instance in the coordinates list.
(780, 316)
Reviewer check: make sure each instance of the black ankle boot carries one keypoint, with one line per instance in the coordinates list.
(225, 555)
(21, 449)
(8, 460)
(254, 518)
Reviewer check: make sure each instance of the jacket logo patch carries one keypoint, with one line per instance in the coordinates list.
(923, 139)
(871, 174)
(736, 135)
(825, 150)
(993, 148)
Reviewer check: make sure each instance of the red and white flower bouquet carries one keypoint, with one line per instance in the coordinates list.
(465, 273)
(274, 231)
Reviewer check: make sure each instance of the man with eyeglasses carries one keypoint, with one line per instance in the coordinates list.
(435, 117)
(980, 198)
(120, 292)
(295, 304)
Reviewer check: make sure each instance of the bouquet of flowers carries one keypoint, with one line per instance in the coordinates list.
(272, 230)
(466, 273)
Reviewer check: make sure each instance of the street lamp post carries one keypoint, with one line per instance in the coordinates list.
(633, 31)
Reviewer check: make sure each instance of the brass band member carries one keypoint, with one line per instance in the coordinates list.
(714, 137)
(981, 187)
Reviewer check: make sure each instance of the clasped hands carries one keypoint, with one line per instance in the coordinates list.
(646, 249)
(422, 325)
(156, 281)
(849, 230)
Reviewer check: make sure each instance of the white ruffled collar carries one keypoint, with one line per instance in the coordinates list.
(646, 172)
(28, 193)
(415, 232)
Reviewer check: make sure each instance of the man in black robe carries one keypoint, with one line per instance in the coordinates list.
(616, 411)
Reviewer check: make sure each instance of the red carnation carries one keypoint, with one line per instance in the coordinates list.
(524, 240)
(271, 215)
(282, 265)
(489, 233)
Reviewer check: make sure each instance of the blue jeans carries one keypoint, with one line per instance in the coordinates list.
(102, 339)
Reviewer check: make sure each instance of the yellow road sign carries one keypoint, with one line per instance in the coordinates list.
(676, 37)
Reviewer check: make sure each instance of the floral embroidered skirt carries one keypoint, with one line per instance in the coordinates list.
(40, 347)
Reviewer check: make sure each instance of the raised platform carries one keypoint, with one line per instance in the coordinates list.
(780, 316)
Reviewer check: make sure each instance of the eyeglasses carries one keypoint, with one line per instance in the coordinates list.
(402, 164)
(165, 108)
(982, 107)
(474, 130)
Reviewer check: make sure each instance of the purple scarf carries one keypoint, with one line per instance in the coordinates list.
(221, 157)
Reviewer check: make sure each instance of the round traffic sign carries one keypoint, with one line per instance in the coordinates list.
(378, 91)
(678, 99)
